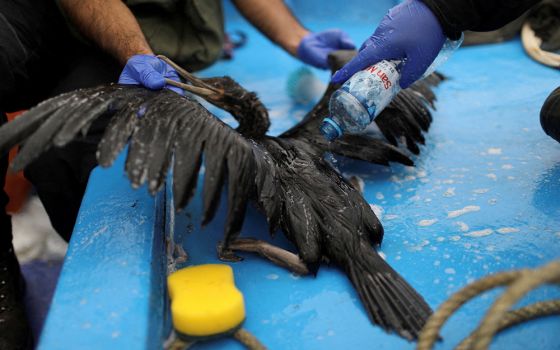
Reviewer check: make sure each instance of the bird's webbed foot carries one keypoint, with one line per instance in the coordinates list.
(277, 255)
(225, 253)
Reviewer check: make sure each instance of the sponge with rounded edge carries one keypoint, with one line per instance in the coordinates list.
(205, 301)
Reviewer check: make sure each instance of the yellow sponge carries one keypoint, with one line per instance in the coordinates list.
(205, 301)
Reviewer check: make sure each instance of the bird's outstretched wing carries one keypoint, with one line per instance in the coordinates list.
(160, 127)
(403, 121)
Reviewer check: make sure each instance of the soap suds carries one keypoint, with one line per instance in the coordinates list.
(450, 192)
(465, 210)
(427, 222)
(462, 226)
(505, 230)
(480, 233)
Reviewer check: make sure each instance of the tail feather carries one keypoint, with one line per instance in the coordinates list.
(388, 299)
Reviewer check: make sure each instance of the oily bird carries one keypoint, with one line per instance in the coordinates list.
(286, 177)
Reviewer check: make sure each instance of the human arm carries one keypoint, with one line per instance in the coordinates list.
(456, 16)
(276, 21)
(414, 31)
(111, 25)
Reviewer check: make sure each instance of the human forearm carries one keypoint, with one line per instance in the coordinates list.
(274, 20)
(109, 24)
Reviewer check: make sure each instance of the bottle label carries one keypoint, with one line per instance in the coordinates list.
(374, 86)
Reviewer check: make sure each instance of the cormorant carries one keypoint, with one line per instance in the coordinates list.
(287, 177)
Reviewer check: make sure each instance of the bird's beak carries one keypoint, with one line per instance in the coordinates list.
(195, 86)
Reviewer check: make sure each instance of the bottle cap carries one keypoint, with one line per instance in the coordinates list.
(330, 129)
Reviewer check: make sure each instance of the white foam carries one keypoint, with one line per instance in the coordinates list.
(480, 233)
(494, 151)
(465, 210)
(427, 222)
(505, 230)
(462, 226)
(450, 192)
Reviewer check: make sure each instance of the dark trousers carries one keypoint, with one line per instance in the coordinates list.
(40, 58)
(5, 222)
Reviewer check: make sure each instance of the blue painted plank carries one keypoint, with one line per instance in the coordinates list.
(110, 293)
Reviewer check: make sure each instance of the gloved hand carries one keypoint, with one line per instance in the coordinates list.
(408, 31)
(149, 71)
(315, 47)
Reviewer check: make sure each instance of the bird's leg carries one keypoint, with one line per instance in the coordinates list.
(197, 86)
(226, 254)
(275, 254)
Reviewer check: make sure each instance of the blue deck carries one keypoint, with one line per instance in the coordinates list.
(484, 197)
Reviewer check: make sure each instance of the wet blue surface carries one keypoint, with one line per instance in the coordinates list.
(484, 197)
(485, 155)
(110, 293)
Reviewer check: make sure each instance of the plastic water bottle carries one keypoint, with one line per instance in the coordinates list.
(356, 104)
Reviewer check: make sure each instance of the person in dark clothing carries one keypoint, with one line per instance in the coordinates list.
(415, 31)
(50, 47)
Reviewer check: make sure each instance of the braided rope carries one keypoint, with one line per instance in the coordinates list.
(512, 318)
(498, 317)
(248, 339)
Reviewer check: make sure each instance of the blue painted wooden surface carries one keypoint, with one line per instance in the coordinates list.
(110, 293)
(485, 154)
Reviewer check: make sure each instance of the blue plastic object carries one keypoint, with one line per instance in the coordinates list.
(314, 48)
(149, 71)
(483, 198)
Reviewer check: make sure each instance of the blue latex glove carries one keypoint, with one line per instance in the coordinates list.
(149, 71)
(314, 48)
(408, 31)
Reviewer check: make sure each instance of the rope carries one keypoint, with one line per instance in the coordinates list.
(512, 318)
(249, 340)
(498, 317)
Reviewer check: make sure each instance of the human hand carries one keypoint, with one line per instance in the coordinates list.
(314, 48)
(409, 32)
(149, 71)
